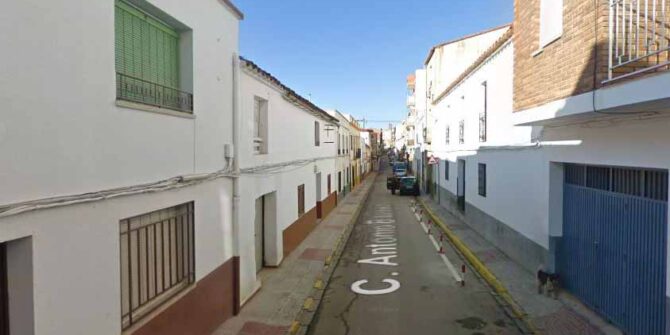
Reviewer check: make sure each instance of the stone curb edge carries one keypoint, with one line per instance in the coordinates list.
(306, 315)
(483, 271)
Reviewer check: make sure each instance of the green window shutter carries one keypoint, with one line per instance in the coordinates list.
(145, 47)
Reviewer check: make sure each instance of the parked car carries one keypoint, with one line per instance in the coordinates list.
(409, 186)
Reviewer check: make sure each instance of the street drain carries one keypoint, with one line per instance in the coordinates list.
(472, 323)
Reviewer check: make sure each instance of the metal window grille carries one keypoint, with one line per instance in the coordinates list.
(646, 183)
(301, 200)
(482, 179)
(461, 132)
(142, 91)
(157, 259)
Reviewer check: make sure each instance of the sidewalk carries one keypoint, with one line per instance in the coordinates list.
(565, 316)
(288, 289)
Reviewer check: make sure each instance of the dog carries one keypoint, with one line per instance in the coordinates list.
(548, 282)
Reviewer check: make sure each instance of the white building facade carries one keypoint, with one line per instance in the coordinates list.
(116, 216)
(345, 152)
(560, 161)
(288, 164)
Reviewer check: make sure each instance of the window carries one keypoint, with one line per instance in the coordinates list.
(551, 21)
(301, 200)
(329, 189)
(482, 179)
(157, 259)
(260, 126)
(147, 54)
(446, 170)
(317, 134)
(446, 136)
(339, 137)
(483, 115)
(461, 132)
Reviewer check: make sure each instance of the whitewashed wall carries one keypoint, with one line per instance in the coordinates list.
(60, 129)
(62, 134)
(76, 267)
(450, 60)
(518, 175)
(290, 138)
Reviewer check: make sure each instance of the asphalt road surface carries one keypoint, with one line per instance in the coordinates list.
(391, 280)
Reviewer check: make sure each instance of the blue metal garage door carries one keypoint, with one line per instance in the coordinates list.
(613, 251)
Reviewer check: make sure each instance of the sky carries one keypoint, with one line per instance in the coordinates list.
(355, 55)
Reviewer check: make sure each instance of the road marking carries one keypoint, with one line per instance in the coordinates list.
(384, 247)
(394, 286)
(446, 261)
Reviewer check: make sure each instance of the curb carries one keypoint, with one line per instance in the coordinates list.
(483, 271)
(311, 304)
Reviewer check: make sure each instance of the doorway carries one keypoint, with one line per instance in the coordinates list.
(318, 187)
(460, 187)
(259, 233)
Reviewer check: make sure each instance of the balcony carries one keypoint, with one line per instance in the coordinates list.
(638, 37)
(141, 91)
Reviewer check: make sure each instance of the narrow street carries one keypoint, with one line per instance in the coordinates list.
(409, 288)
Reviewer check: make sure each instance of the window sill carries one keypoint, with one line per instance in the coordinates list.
(545, 45)
(153, 109)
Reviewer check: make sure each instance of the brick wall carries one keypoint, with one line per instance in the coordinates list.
(564, 67)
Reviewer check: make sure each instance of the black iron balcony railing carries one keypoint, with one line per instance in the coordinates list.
(142, 91)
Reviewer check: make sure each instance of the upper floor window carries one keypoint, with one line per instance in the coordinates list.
(483, 114)
(446, 136)
(147, 54)
(551, 21)
(260, 126)
(317, 134)
(461, 132)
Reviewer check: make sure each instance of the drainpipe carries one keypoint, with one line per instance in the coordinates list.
(236, 181)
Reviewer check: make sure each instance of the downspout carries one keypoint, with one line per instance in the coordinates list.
(236, 182)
